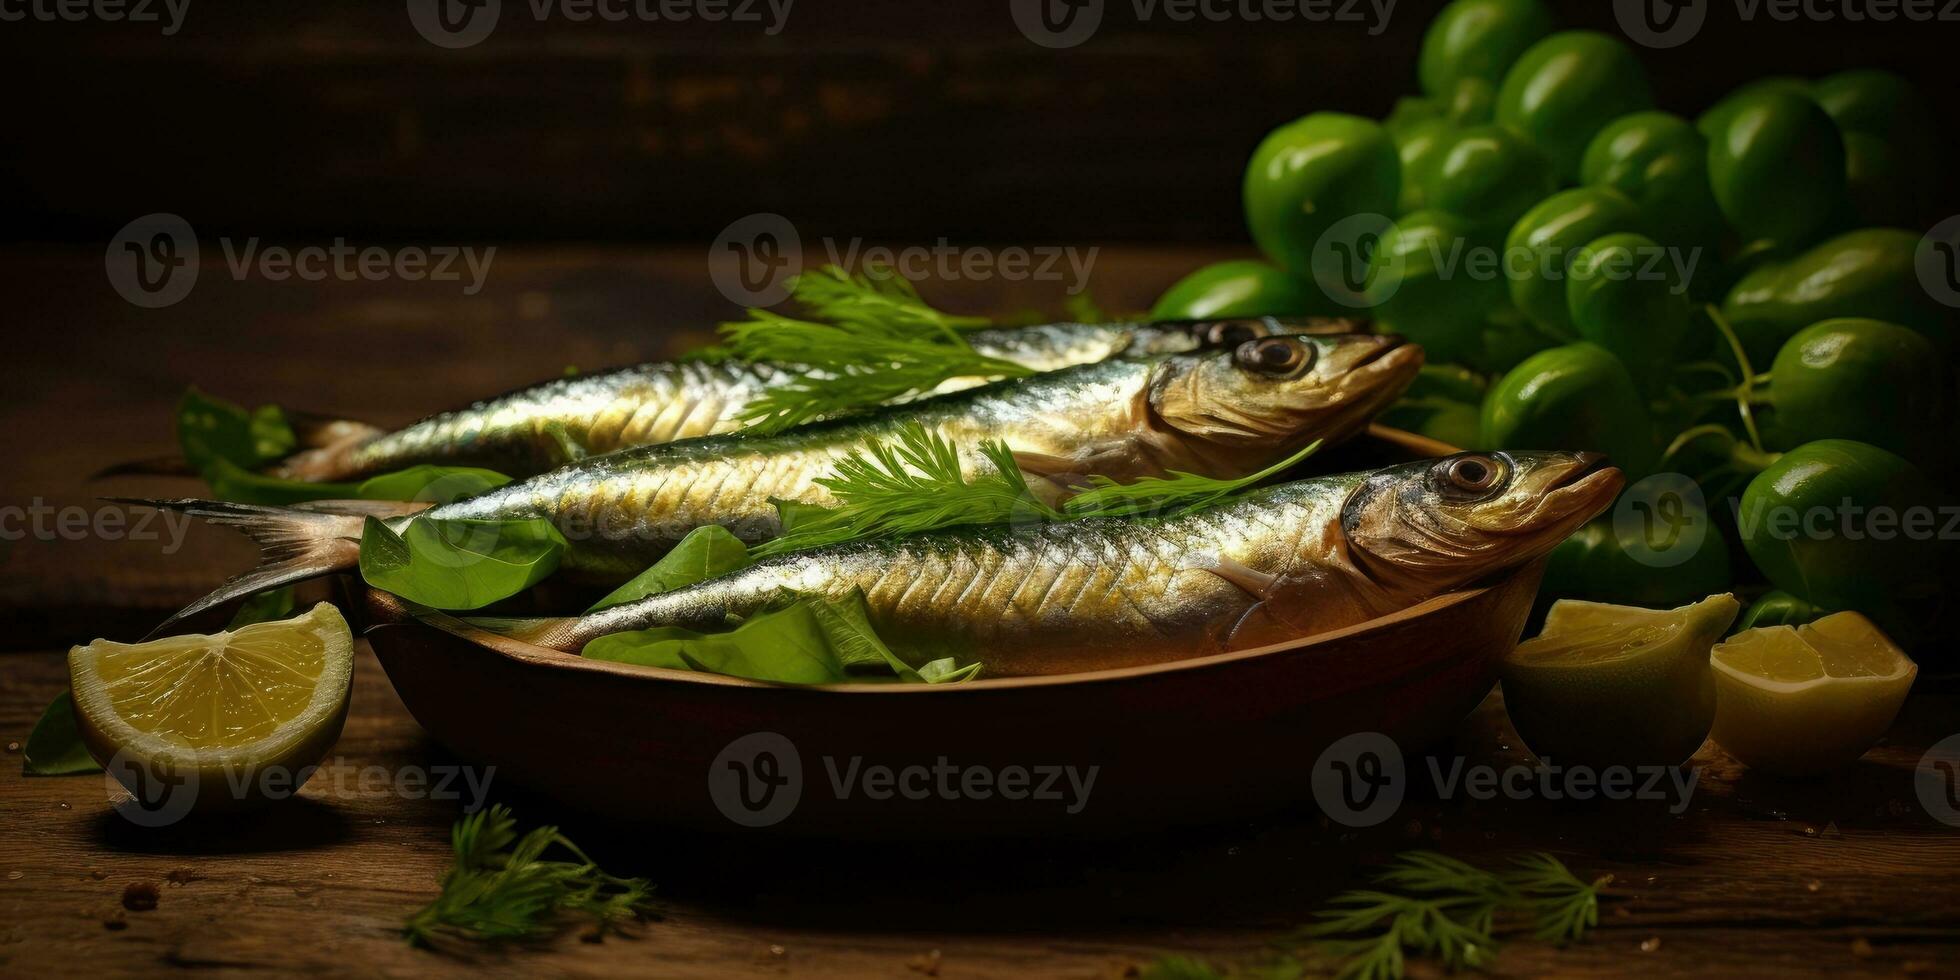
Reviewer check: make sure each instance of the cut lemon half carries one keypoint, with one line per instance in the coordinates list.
(1806, 699)
(231, 712)
(1605, 685)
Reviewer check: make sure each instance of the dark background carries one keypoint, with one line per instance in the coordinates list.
(889, 119)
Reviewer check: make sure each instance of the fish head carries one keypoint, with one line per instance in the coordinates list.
(1280, 392)
(1227, 333)
(1438, 524)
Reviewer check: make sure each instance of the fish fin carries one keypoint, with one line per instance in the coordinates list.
(553, 632)
(294, 545)
(170, 465)
(1061, 469)
(383, 509)
(1258, 584)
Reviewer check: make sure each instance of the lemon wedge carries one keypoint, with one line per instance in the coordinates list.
(1605, 685)
(217, 713)
(1806, 699)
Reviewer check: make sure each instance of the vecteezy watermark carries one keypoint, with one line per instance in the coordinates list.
(169, 13)
(43, 521)
(155, 260)
(159, 793)
(464, 23)
(754, 260)
(1362, 779)
(1662, 520)
(1670, 23)
(1937, 260)
(1353, 265)
(757, 781)
(1067, 23)
(1937, 781)
(1847, 520)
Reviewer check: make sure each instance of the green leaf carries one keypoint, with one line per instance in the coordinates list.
(706, 552)
(459, 564)
(263, 608)
(55, 746)
(438, 484)
(810, 641)
(1179, 493)
(210, 429)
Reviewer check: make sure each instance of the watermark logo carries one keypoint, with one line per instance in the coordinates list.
(1348, 263)
(43, 521)
(757, 780)
(1057, 23)
(1937, 261)
(1661, 23)
(754, 260)
(1937, 781)
(159, 793)
(153, 261)
(1359, 781)
(150, 793)
(466, 23)
(1662, 520)
(454, 23)
(168, 12)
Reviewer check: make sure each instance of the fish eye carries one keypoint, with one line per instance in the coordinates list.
(1229, 333)
(1275, 356)
(1471, 474)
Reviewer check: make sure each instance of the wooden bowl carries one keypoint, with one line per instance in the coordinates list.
(1186, 742)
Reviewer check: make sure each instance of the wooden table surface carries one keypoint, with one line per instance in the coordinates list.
(1755, 877)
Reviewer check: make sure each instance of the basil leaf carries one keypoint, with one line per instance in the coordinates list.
(55, 746)
(437, 484)
(459, 564)
(811, 641)
(705, 553)
(263, 608)
(211, 429)
(793, 515)
(229, 481)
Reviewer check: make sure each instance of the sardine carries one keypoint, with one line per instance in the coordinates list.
(1219, 413)
(1294, 560)
(537, 428)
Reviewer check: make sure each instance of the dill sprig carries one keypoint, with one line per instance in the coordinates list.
(1173, 495)
(915, 484)
(867, 339)
(1449, 909)
(910, 485)
(502, 887)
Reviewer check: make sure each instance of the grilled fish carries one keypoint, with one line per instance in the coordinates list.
(1220, 413)
(534, 429)
(1293, 560)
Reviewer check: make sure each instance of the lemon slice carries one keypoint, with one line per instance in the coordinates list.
(1605, 685)
(1806, 699)
(218, 711)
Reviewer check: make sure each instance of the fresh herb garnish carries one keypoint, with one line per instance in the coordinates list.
(705, 553)
(459, 564)
(915, 484)
(907, 486)
(503, 887)
(1440, 907)
(1448, 909)
(809, 641)
(867, 339)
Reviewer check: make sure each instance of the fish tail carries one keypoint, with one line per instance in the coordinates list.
(553, 633)
(295, 544)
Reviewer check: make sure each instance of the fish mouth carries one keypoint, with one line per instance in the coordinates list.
(1585, 488)
(1385, 371)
